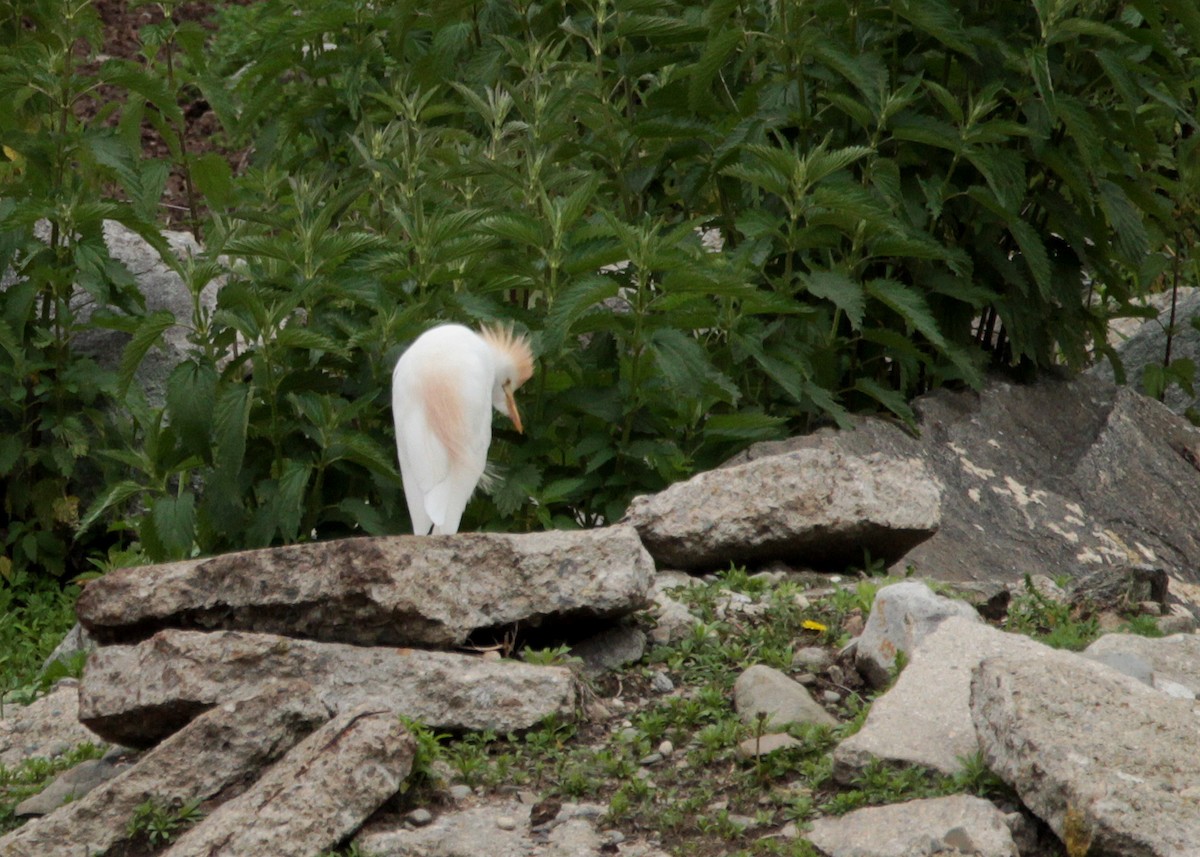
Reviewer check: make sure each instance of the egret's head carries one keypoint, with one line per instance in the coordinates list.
(514, 366)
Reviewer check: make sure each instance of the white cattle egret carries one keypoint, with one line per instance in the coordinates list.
(443, 390)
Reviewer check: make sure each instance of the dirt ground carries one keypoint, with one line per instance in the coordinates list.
(121, 21)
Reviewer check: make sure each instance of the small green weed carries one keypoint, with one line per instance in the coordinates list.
(559, 656)
(158, 822)
(1049, 621)
(32, 775)
(1142, 625)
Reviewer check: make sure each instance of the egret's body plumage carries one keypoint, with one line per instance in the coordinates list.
(444, 388)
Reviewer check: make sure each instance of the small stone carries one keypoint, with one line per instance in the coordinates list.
(419, 817)
(832, 697)
(666, 748)
(460, 792)
(613, 837)
(765, 745)
(652, 759)
(854, 624)
(1176, 623)
(491, 656)
(806, 679)
(506, 822)
(811, 659)
(741, 822)
(1150, 608)
(661, 682)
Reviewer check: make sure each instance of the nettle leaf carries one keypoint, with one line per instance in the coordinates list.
(1004, 172)
(571, 303)
(114, 496)
(1125, 220)
(844, 292)
(716, 50)
(746, 426)
(191, 400)
(687, 368)
(147, 334)
(909, 305)
(231, 417)
(1033, 251)
(174, 525)
(893, 400)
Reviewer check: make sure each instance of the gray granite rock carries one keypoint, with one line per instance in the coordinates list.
(1107, 762)
(812, 506)
(944, 826)
(762, 690)
(315, 796)
(902, 615)
(925, 718)
(397, 590)
(137, 695)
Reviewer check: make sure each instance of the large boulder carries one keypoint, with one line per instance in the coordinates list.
(1050, 478)
(163, 290)
(1143, 342)
(1107, 762)
(315, 796)
(137, 695)
(220, 749)
(810, 506)
(396, 590)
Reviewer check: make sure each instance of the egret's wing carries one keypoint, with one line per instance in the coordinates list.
(443, 436)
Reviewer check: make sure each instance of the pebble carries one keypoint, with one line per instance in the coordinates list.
(460, 792)
(661, 682)
(807, 679)
(506, 822)
(419, 817)
(652, 759)
(666, 748)
(811, 658)
(832, 697)
(614, 837)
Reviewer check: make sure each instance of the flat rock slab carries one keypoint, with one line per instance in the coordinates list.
(1103, 759)
(959, 824)
(315, 796)
(1049, 478)
(136, 695)
(812, 506)
(47, 727)
(1174, 659)
(396, 590)
(220, 748)
(925, 718)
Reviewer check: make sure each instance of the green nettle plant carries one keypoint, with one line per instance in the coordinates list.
(720, 222)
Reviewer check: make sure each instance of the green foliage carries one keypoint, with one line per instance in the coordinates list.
(32, 775)
(1052, 622)
(34, 616)
(902, 192)
(158, 822)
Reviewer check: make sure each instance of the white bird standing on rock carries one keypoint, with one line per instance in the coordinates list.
(443, 390)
